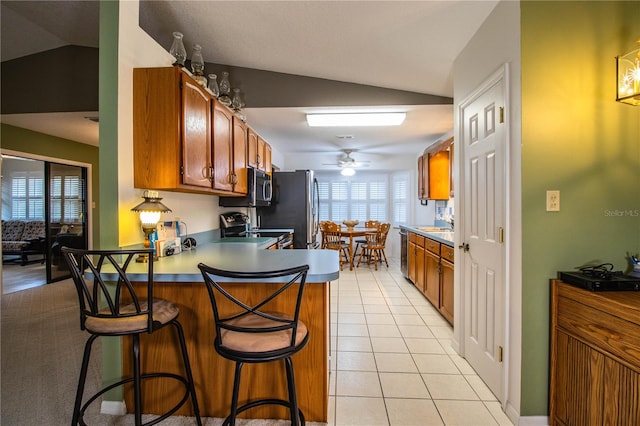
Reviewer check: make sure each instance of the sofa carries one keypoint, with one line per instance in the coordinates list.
(23, 238)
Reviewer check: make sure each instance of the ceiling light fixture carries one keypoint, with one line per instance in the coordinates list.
(347, 171)
(628, 78)
(356, 119)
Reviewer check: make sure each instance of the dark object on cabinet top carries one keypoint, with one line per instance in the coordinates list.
(614, 281)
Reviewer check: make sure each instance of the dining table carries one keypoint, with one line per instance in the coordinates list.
(355, 232)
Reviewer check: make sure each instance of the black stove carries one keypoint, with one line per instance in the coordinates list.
(236, 224)
(607, 281)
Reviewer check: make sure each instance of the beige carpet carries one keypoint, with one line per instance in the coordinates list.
(41, 353)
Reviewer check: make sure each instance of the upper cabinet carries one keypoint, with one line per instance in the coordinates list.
(259, 152)
(435, 172)
(183, 138)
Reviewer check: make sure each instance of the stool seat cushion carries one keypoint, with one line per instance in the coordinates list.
(163, 312)
(260, 342)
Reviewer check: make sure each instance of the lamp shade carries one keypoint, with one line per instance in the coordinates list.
(628, 78)
(151, 208)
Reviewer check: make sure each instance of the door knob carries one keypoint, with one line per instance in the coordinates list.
(464, 246)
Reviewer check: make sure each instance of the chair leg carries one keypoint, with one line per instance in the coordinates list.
(384, 257)
(231, 420)
(137, 392)
(82, 379)
(293, 399)
(187, 368)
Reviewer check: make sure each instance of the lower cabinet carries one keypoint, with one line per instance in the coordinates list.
(430, 268)
(595, 357)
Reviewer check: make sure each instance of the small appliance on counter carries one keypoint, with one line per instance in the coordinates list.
(601, 278)
(236, 224)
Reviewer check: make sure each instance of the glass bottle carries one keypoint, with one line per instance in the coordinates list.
(236, 102)
(177, 49)
(213, 85)
(197, 65)
(225, 89)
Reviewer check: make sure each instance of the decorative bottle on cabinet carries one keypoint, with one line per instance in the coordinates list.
(177, 49)
(225, 89)
(197, 65)
(213, 85)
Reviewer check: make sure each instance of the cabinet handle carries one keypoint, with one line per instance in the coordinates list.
(211, 173)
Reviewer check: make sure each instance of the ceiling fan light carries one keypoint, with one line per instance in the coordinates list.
(347, 171)
(356, 119)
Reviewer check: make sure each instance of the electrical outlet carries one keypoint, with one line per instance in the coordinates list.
(553, 201)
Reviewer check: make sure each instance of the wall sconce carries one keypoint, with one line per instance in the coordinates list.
(150, 210)
(628, 77)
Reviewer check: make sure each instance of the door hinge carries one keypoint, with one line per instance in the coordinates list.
(181, 170)
(500, 351)
(501, 114)
(501, 235)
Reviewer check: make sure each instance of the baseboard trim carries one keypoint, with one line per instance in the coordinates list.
(534, 421)
(114, 408)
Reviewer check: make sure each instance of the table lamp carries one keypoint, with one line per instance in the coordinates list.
(150, 210)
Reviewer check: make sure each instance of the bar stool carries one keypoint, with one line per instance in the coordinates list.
(247, 332)
(109, 306)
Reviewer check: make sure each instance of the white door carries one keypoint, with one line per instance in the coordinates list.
(483, 140)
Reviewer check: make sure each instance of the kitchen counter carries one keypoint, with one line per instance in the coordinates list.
(444, 237)
(232, 255)
(178, 279)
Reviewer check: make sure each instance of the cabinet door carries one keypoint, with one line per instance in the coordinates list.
(579, 373)
(239, 156)
(252, 148)
(621, 394)
(446, 290)
(260, 156)
(421, 194)
(432, 277)
(411, 261)
(439, 175)
(222, 147)
(267, 158)
(196, 135)
(420, 268)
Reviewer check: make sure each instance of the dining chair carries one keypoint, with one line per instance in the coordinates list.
(248, 331)
(333, 241)
(361, 241)
(111, 306)
(373, 249)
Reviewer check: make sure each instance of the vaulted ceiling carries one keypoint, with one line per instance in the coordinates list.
(406, 46)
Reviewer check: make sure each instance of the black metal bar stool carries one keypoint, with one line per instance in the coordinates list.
(109, 306)
(253, 334)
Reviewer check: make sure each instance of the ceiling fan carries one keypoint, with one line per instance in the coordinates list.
(347, 161)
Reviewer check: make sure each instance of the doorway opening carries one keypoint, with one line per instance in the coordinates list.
(44, 207)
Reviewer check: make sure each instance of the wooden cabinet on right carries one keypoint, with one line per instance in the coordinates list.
(435, 172)
(430, 269)
(595, 357)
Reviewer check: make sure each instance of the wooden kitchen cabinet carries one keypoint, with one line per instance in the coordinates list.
(171, 132)
(430, 269)
(446, 282)
(435, 172)
(259, 152)
(595, 357)
(240, 145)
(222, 147)
(432, 277)
(182, 137)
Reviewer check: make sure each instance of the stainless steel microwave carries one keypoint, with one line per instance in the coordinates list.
(259, 191)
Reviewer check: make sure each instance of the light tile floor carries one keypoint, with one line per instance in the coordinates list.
(392, 361)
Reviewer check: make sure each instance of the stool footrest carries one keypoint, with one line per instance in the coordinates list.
(259, 402)
(142, 377)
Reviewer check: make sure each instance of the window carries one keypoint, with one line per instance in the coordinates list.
(27, 196)
(400, 191)
(66, 199)
(365, 196)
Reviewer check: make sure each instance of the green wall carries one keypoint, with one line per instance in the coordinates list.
(30, 142)
(577, 139)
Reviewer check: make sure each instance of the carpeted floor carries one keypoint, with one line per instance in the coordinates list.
(41, 355)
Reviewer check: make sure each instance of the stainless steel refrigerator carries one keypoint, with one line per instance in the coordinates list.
(295, 204)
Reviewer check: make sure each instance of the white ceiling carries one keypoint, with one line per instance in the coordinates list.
(404, 45)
